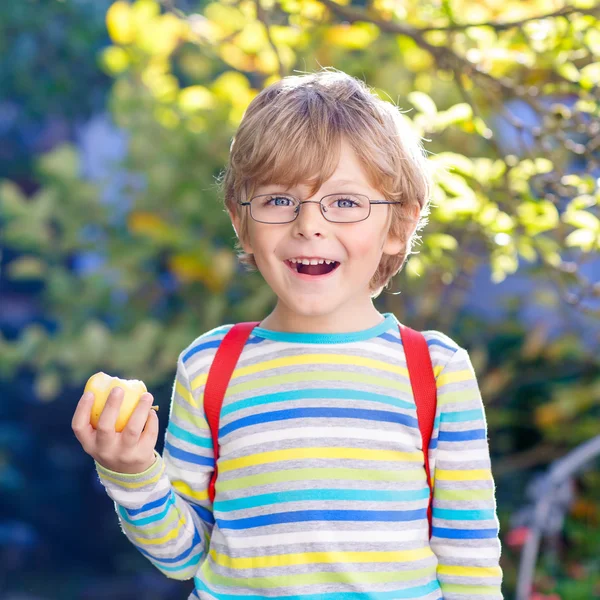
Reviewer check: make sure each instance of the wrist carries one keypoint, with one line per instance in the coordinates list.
(138, 468)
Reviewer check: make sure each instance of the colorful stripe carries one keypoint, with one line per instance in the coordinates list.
(321, 493)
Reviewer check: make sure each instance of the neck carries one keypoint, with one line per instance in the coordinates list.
(339, 321)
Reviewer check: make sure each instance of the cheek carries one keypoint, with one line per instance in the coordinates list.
(365, 245)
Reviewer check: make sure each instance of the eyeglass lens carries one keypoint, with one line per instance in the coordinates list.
(338, 208)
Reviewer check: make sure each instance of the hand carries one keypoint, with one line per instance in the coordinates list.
(129, 451)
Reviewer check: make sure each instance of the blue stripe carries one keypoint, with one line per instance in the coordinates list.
(343, 394)
(186, 436)
(402, 594)
(321, 495)
(464, 534)
(195, 541)
(144, 520)
(149, 506)
(319, 412)
(462, 515)
(436, 342)
(462, 436)
(462, 416)
(324, 515)
(200, 347)
(189, 456)
(204, 514)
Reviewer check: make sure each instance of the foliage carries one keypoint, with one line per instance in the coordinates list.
(48, 87)
(515, 195)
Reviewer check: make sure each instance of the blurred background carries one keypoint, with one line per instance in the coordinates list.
(116, 251)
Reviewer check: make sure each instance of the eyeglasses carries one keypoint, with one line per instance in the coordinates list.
(336, 208)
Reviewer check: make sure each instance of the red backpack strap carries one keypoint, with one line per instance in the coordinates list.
(422, 381)
(219, 374)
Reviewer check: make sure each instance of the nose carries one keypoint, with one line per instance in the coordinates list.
(310, 220)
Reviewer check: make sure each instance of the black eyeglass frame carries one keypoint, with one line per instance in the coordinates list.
(320, 202)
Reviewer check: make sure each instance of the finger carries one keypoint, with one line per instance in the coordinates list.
(80, 424)
(105, 429)
(150, 434)
(132, 431)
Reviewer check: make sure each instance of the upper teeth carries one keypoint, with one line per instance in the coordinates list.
(313, 261)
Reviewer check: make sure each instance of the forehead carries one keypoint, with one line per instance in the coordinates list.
(348, 174)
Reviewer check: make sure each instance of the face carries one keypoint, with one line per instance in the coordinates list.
(341, 301)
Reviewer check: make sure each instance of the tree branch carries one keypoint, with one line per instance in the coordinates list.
(562, 12)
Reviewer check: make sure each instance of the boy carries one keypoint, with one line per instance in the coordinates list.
(321, 492)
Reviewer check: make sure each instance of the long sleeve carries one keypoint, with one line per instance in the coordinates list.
(465, 535)
(165, 511)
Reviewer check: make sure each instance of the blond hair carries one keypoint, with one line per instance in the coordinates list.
(293, 130)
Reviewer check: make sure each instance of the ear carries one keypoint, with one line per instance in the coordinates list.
(237, 226)
(394, 245)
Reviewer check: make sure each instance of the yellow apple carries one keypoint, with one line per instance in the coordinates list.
(101, 385)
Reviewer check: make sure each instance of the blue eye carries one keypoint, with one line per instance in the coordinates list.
(269, 199)
(346, 200)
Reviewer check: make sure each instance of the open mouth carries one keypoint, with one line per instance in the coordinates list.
(323, 269)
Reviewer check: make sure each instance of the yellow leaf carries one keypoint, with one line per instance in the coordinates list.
(166, 116)
(232, 86)
(422, 102)
(114, 60)
(228, 18)
(26, 267)
(252, 38)
(453, 160)
(352, 37)
(236, 57)
(161, 35)
(582, 219)
(196, 97)
(120, 23)
(582, 238)
(590, 75)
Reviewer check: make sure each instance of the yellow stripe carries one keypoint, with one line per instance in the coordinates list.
(310, 558)
(304, 453)
(475, 474)
(184, 488)
(148, 531)
(321, 377)
(469, 571)
(319, 360)
(195, 421)
(461, 396)
(132, 485)
(185, 393)
(332, 474)
(470, 590)
(165, 538)
(457, 495)
(454, 377)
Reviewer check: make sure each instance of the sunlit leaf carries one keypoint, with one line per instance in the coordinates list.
(585, 239)
(120, 23)
(196, 97)
(115, 60)
(422, 102)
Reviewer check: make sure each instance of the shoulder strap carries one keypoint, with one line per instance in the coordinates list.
(419, 366)
(422, 381)
(219, 374)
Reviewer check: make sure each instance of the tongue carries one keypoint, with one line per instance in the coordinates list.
(315, 269)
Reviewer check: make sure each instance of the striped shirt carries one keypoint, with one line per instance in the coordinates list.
(322, 492)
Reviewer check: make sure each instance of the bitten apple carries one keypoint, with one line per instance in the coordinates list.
(101, 385)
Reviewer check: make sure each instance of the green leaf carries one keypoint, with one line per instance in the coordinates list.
(423, 103)
(582, 238)
(582, 219)
(61, 163)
